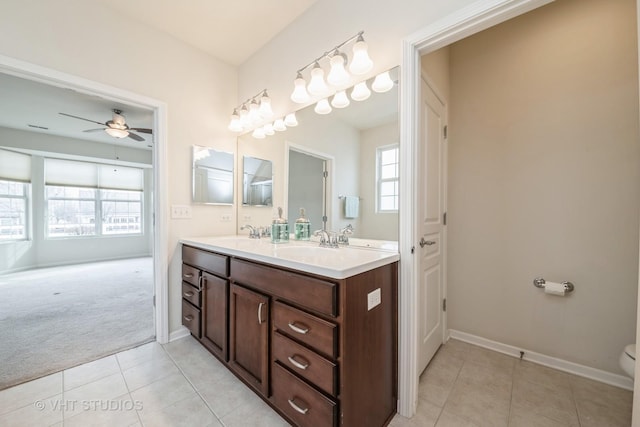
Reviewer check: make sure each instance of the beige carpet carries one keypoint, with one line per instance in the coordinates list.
(56, 318)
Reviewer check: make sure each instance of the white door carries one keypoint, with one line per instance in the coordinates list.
(432, 208)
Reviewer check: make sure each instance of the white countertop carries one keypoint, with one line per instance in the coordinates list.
(337, 263)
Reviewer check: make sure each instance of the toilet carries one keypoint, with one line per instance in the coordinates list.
(628, 360)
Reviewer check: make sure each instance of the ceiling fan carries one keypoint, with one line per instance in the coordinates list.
(116, 127)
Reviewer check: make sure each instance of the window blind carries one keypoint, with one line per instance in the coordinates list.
(15, 166)
(84, 174)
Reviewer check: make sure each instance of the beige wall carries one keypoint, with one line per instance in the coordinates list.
(435, 66)
(544, 180)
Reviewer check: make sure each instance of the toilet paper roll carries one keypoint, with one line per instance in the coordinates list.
(553, 288)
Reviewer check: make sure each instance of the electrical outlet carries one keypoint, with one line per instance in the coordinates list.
(225, 218)
(180, 212)
(246, 218)
(374, 299)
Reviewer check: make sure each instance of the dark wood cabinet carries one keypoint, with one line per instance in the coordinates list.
(310, 346)
(249, 343)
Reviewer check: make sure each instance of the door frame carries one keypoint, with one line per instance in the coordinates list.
(469, 20)
(160, 228)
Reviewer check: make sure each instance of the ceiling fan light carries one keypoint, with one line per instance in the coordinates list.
(382, 83)
(361, 63)
(290, 120)
(279, 125)
(340, 99)
(360, 92)
(338, 75)
(323, 107)
(117, 133)
(300, 94)
(317, 86)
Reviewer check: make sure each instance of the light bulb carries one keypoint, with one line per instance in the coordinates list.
(244, 117)
(235, 125)
(265, 106)
(268, 129)
(338, 76)
(382, 82)
(258, 133)
(317, 86)
(117, 133)
(361, 63)
(254, 115)
(279, 125)
(323, 107)
(290, 120)
(340, 99)
(360, 92)
(300, 94)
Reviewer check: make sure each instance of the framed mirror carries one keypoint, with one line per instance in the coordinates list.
(213, 176)
(257, 182)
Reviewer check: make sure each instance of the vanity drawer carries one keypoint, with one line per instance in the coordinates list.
(213, 263)
(191, 294)
(311, 330)
(300, 402)
(306, 363)
(191, 318)
(316, 294)
(190, 275)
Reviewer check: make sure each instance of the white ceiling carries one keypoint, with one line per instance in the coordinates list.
(229, 30)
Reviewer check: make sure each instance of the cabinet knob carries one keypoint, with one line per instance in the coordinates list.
(298, 329)
(303, 411)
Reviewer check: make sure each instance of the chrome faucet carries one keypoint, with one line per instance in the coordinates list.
(343, 237)
(254, 233)
(326, 238)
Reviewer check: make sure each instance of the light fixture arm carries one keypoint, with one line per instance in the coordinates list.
(331, 51)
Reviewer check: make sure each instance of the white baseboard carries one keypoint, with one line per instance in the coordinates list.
(180, 333)
(542, 359)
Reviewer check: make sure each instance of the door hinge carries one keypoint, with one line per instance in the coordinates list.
(154, 300)
(445, 130)
(444, 218)
(413, 249)
(325, 174)
(444, 304)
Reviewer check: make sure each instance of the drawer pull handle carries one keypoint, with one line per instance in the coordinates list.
(297, 364)
(188, 318)
(303, 411)
(188, 294)
(298, 329)
(200, 279)
(260, 313)
(188, 275)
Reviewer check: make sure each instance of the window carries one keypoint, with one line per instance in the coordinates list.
(388, 162)
(15, 178)
(89, 199)
(13, 210)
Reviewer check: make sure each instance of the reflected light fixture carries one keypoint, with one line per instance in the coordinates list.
(279, 125)
(340, 99)
(268, 129)
(323, 107)
(338, 77)
(258, 133)
(360, 92)
(290, 120)
(382, 83)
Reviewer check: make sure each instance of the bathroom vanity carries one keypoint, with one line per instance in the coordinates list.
(312, 330)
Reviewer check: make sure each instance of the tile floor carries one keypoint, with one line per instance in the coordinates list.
(163, 385)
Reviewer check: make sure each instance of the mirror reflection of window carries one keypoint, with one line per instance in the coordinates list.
(212, 176)
(388, 173)
(257, 182)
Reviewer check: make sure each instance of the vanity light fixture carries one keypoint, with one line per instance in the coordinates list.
(268, 129)
(251, 113)
(360, 92)
(340, 99)
(323, 107)
(290, 120)
(258, 133)
(338, 76)
(382, 83)
(279, 125)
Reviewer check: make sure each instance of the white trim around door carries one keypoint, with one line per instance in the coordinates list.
(476, 17)
(52, 77)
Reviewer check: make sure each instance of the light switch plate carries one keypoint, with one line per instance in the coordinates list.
(374, 299)
(180, 212)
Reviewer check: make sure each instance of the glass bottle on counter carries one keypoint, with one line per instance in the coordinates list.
(279, 229)
(302, 227)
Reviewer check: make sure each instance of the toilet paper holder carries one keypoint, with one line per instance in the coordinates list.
(539, 282)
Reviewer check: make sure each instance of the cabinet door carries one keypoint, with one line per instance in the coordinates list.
(214, 314)
(249, 351)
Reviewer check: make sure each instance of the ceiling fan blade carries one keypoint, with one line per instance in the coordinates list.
(82, 118)
(142, 130)
(135, 137)
(93, 130)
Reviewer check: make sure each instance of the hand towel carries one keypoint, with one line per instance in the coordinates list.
(351, 206)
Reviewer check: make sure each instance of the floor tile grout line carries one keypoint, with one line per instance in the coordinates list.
(126, 384)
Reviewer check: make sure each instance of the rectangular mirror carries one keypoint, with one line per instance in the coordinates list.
(212, 176)
(257, 187)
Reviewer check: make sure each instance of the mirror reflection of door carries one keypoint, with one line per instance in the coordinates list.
(306, 187)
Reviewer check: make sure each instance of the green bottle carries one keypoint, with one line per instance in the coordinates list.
(303, 227)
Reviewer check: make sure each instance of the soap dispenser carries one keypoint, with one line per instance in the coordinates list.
(279, 229)
(303, 227)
